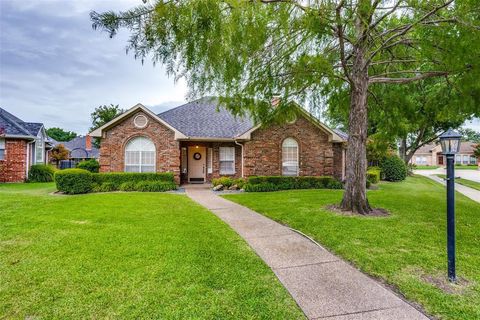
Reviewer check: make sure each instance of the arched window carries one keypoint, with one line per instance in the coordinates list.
(290, 157)
(140, 155)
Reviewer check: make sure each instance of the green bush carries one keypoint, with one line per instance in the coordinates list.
(91, 165)
(373, 176)
(227, 182)
(41, 173)
(394, 169)
(273, 183)
(155, 186)
(128, 186)
(74, 181)
(117, 178)
(104, 187)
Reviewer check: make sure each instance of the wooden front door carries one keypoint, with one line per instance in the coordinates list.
(197, 160)
(440, 160)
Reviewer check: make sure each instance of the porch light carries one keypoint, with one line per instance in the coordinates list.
(450, 142)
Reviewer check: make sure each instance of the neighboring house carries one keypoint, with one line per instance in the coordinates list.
(81, 148)
(201, 140)
(22, 144)
(431, 155)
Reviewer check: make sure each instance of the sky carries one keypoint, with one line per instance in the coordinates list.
(55, 69)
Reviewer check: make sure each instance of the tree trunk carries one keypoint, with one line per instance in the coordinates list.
(355, 195)
(403, 149)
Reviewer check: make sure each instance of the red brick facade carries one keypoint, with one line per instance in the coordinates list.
(112, 148)
(13, 168)
(262, 155)
(317, 156)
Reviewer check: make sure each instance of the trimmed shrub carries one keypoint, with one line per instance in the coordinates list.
(274, 183)
(104, 187)
(155, 186)
(394, 169)
(91, 165)
(240, 183)
(128, 186)
(41, 173)
(74, 181)
(117, 178)
(373, 176)
(224, 181)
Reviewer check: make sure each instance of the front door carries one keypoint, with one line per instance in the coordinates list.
(197, 159)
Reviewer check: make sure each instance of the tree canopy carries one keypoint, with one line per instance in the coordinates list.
(249, 51)
(60, 134)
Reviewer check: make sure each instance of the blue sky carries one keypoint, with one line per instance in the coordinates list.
(55, 69)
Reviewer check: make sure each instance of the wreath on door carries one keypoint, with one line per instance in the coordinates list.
(197, 156)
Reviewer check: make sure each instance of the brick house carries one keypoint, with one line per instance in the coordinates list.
(431, 155)
(200, 140)
(22, 144)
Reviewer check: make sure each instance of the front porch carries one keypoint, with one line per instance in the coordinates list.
(202, 161)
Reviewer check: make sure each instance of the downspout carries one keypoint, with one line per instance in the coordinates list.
(241, 145)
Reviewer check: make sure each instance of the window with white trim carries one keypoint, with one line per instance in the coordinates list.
(209, 160)
(2, 149)
(473, 160)
(140, 155)
(290, 157)
(227, 160)
(39, 150)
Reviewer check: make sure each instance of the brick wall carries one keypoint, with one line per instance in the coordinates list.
(13, 168)
(112, 147)
(263, 153)
(337, 160)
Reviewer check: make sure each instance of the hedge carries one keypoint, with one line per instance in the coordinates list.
(228, 182)
(274, 183)
(41, 173)
(91, 165)
(74, 181)
(373, 176)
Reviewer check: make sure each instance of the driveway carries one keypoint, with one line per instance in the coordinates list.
(473, 175)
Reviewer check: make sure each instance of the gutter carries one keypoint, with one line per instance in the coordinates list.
(241, 145)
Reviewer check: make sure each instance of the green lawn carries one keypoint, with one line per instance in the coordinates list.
(463, 167)
(127, 256)
(406, 249)
(465, 182)
(419, 167)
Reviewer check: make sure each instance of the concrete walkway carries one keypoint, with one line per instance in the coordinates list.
(466, 191)
(323, 285)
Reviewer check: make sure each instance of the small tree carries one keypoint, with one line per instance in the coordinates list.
(102, 115)
(476, 152)
(59, 153)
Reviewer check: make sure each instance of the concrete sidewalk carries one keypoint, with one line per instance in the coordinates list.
(323, 285)
(466, 191)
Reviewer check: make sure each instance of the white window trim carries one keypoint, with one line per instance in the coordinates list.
(298, 158)
(220, 161)
(210, 160)
(3, 146)
(41, 140)
(140, 156)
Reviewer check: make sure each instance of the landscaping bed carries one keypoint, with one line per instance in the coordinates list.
(407, 249)
(127, 256)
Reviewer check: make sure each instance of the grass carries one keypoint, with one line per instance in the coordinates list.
(465, 167)
(406, 249)
(419, 167)
(127, 256)
(468, 183)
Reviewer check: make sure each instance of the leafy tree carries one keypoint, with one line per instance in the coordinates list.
(249, 51)
(102, 115)
(470, 134)
(58, 153)
(412, 115)
(60, 134)
(476, 152)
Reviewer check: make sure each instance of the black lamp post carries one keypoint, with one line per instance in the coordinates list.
(450, 142)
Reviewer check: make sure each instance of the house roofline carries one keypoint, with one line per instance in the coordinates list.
(98, 133)
(17, 136)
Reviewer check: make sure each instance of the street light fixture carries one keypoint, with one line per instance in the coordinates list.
(450, 142)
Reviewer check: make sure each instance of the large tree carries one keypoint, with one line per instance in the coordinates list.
(249, 51)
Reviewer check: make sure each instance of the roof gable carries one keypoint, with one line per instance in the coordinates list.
(15, 127)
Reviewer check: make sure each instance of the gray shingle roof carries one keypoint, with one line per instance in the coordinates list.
(77, 146)
(342, 134)
(207, 119)
(11, 125)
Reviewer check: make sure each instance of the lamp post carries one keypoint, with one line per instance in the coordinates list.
(450, 142)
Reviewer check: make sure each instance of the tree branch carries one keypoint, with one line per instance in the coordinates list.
(425, 75)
